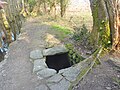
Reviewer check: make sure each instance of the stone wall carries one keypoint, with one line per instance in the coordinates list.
(53, 80)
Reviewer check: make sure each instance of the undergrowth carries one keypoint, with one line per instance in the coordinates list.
(82, 37)
(81, 34)
(73, 55)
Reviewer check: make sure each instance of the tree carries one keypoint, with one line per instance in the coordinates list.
(5, 24)
(106, 22)
(52, 5)
(10, 21)
(63, 6)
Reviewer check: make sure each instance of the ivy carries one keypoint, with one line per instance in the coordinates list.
(73, 55)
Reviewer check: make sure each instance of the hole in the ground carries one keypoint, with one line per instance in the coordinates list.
(58, 61)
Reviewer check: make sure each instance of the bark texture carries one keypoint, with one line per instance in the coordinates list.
(106, 22)
(10, 21)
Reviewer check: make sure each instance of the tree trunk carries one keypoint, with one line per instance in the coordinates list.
(63, 6)
(6, 26)
(36, 8)
(106, 28)
(45, 6)
(10, 21)
(116, 34)
(53, 8)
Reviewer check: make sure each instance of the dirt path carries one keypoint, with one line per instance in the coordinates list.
(104, 77)
(16, 73)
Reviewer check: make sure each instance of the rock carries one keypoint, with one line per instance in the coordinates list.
(70, 73)
(55, 50)
(40, 78)
(108, 88)
(54, 79)
(36, 54)
(39, 64)
(31, 60)
(41, 87)
(46, 72)
(62, 85)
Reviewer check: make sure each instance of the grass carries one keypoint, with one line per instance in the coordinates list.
(61, 31)
(59, 28)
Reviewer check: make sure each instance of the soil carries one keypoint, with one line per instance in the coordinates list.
(103, 77)
(16, 73)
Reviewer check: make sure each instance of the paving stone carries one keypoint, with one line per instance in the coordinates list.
(46, 72)
(36, 54)
(41, 87)
(62, 85)
(39, 64)
(55, 50)
(54, 79)
(70, 73)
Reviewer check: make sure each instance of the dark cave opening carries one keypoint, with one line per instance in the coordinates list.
(58, 61)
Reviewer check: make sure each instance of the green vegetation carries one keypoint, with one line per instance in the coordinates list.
(81, 34)
(92, 43)
(63, 32)
(116, 80)
(73, 55)
(31, 4)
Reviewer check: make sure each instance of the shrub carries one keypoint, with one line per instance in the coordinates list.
(73, 55)
(81, 34)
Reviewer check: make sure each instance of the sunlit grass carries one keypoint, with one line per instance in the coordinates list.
(59, 28)
(62, 32)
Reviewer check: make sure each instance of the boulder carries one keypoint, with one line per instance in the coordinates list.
(54, 79)
(55, 50)
(70, 73)
(46, 72)
(36, 54)
(39, 64)
(41, 87)
(62, 85)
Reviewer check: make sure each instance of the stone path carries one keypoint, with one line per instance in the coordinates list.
(17, 72)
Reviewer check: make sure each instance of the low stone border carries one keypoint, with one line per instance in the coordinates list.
(53, 80)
